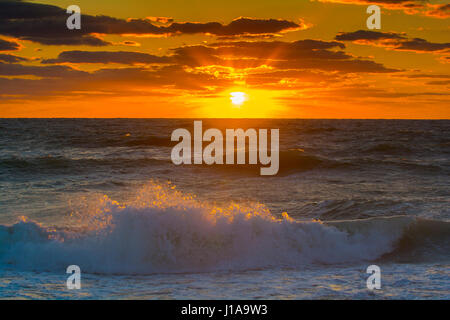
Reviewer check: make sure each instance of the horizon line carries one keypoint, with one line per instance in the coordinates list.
(193, 118)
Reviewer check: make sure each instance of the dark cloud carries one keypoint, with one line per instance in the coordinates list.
(85, 40)
(292, 79)
(393, 4)
(240, 26)
(26, 10)
(123, 57)
(424, 75)
(8, 45)
(63, 80)
(346, 66)
(380, 2)
(15, 69)
(46, 24)
(367, 35)
(305, 75)
(442, 79)
(418, 44)
(420, 7)
(161, 77)
(303, 54)
(244, 54)
(10, 58)
(252, 27)
(362, 91)
(280, 50)
(392, 40)
(439, 82)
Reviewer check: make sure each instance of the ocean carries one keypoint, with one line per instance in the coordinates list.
(104, 194)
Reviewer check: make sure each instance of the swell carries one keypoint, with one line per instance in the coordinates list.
(164, 231)
(388, 148)
(318, 130)
(422, 241)
(294, 160)
(418, 239)
(290, 161)
(49, 163)
(399, 163)
(124, 140)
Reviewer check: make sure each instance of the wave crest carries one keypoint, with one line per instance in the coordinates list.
(165, 231)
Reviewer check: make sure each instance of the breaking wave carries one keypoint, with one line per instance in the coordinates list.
(165, 231)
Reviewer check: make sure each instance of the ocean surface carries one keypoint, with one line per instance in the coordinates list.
(103, 194)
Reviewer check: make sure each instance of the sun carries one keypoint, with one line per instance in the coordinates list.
(238, 98)
(240, 102)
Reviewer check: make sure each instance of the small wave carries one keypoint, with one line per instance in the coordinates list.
(388, 148)
(423, 240)
(423, 166)
(354, 208)
(58, 163)
(291, 161)
(149, 141)
(418, 239)
(164, 231)
(20, 163)
(295, 160)
(123, 140)
(319, 130)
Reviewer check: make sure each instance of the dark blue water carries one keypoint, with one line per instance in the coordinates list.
(328, 168)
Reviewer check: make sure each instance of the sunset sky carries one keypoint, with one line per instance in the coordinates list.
(254, 58)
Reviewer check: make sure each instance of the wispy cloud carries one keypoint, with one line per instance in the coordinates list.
(46, 24)
(393, 41)
(122, 57)
(420, 7)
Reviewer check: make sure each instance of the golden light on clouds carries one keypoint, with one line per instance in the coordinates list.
(170, 61)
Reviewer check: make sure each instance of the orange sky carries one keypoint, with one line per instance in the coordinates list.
(290, 59)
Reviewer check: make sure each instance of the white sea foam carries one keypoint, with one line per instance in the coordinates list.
(164, 231)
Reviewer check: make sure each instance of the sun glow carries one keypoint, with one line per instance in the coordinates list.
(239, 103)
(238, 98)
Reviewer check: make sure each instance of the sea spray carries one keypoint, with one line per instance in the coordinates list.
(165, 231)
